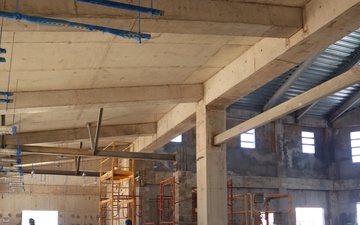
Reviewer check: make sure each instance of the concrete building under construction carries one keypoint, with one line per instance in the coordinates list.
(207, 112)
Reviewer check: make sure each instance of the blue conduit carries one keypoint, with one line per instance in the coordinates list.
(2, 51)
(65, 23)
(118, 5)
(7, 94)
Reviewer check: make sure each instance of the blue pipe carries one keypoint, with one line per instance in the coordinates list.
(124, 6)
(6, 93)
(6, 100)
(59, 22)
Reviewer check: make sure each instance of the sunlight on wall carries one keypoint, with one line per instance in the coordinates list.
(40, 217)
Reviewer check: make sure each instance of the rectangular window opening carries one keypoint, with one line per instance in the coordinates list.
(177, 139)
(309, 216)
(308, 142)
(355, 146)
(247, 139)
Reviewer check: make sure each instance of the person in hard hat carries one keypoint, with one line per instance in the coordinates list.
(128, 222)
(31, 221)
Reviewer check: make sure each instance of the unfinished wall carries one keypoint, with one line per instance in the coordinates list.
(278, 151)
(76, 203)
(278, 164)
(345, 168)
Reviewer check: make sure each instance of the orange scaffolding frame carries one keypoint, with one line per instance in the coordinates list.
(250, 207)
(167, 202)
(118, 201)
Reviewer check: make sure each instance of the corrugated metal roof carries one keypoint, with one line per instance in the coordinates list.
(334, 60)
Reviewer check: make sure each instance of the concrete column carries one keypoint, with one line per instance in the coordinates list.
(211, 167)
(332, 213)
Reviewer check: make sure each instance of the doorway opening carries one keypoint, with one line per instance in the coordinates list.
(40, 217)
(310, 216)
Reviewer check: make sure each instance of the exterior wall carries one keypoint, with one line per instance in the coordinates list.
(278, 153)
(326, 179)
(345, 168)
(347, 206)
(76, 205)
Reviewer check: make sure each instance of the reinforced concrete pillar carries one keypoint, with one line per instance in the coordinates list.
(210, 167)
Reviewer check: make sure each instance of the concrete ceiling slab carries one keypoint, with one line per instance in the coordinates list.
(190, 44)
(79, 118)
(295, 3)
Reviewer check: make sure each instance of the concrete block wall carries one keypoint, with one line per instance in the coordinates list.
(346, 206)
(76, 205)
(185, 183)
(278, 153)
(278, 161)
(148, 188)
(345, 168)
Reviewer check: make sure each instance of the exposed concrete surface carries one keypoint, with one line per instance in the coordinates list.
(75, 204)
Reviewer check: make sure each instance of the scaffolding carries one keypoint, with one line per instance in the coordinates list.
(118, 201)
(167, 202)
(194, 204)
(255, 209)
(230, 202)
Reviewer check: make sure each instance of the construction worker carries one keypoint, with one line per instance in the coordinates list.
(128, 222)
(31, 221)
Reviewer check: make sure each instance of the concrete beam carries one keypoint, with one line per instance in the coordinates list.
(186, 17)
(46, 101)
(210, 167)
(270, 58)
(336, 84)
(129, 130)
(89, 153)
(177, 121)
(294, 183)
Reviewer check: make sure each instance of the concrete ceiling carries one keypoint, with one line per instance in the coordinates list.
(216, 51)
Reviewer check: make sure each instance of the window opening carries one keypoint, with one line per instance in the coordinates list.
(308, 142)
(355, 146)
(310, 216)
(247, 139)
(177, 139)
